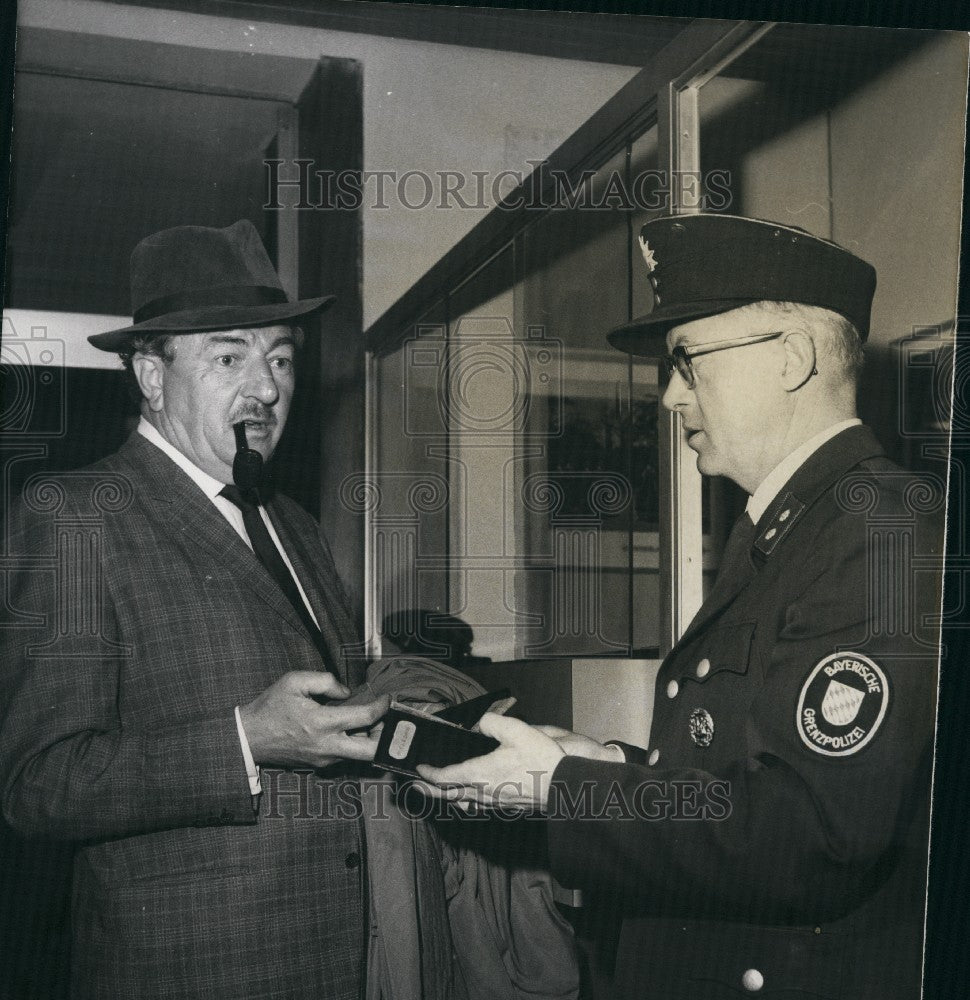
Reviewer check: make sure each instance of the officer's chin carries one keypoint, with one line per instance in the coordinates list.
(707, 465)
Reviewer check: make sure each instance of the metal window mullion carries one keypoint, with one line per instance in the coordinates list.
(372, 631)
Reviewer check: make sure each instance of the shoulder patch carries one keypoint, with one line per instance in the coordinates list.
(842, 704)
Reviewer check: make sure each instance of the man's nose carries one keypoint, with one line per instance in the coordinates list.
(676, 394)
(261, 384)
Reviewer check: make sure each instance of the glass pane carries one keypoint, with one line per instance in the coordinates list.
(408, 494)
(486, 397)
(650, 199)
(585, 513)
(648, 187)
(546, 437)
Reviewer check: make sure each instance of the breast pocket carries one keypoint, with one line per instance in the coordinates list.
(721, 650)
(704, 695)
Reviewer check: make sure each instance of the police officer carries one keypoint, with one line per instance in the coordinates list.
(772, 838)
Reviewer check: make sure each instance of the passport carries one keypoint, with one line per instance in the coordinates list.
(411, 737)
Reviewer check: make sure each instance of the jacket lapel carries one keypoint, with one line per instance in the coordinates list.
(209, 538)
(318, 577)
(735, 573)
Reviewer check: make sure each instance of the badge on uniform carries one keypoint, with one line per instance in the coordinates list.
(701, 727)
(842, 704)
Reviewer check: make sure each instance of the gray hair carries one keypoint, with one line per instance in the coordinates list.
(836, 339)
(158, 345)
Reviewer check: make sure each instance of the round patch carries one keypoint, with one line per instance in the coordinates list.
(842, 704)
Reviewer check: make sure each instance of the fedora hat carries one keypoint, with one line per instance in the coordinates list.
(192, 279)
(704, 264)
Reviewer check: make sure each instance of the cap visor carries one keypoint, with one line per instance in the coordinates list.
(646, 336)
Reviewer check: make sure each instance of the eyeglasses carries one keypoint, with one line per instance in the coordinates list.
(679, 359)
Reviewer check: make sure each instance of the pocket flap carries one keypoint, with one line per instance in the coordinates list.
(723, 648)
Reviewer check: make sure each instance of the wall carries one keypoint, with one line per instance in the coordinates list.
(897, 168)
(879, 170)
(427, 107)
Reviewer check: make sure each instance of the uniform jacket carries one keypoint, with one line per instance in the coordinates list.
(771, 841)
(137, 619)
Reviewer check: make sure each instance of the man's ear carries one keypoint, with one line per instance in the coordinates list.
(799, 360)
(149, 371)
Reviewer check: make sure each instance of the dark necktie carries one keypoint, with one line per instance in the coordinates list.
(269, 555)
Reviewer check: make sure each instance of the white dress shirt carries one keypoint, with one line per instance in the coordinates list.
(211, 488)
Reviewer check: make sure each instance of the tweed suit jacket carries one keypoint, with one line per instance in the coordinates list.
(772, 838)
(140, 619)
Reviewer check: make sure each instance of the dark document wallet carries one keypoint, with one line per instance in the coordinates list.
(411, 737)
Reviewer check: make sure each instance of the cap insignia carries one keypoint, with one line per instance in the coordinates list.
(648, 256)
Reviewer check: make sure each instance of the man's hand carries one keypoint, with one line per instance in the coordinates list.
(577, 745)
(517, 774)
(285, 726)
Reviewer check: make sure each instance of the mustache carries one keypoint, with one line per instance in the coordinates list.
(261, 414)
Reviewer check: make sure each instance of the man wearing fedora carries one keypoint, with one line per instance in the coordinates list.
(771, 838)
(188, 723)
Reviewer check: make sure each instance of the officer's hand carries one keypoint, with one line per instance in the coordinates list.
(577, 745)
(286, 726)
(517, 774)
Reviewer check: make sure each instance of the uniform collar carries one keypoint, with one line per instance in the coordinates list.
(824, 467)
(771, 486)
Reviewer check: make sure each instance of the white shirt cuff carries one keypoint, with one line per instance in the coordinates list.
(252, 770)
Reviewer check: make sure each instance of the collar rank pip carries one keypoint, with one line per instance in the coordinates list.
(784, 513)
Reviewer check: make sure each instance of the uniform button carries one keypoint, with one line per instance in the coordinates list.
(704, 667)
(752, 980)
(654, 757)
(770, 533)
(672, 688)
(784, 515)
(352, 860)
